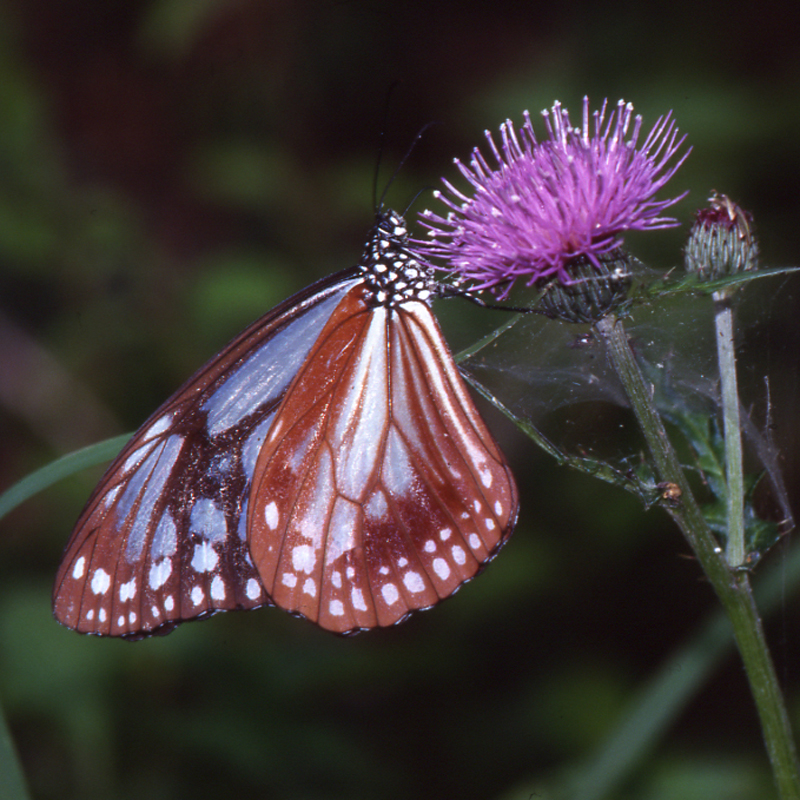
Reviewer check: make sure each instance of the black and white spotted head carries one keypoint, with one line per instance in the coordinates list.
(393, 271)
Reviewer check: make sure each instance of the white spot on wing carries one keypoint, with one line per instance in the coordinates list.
(357, 599)
(127, 591)
(336, 608)
(159, 572)
(444, 534)
(218, 588)
(429, 546)
(101, 580)
(498, 507)
(304, 558)
(169, 603)
(413, 582)
(336, 579)
(289, 580)
(271, 515)
(310, 587)
(252, 590)
(459, 556)
(77, 570)
(197, 595)
(441, 568)
(489, 523)
(474, 542)
(205, 557)
(390, 593)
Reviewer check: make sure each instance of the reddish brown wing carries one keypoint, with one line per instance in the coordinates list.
(378, 490)
(162, 539)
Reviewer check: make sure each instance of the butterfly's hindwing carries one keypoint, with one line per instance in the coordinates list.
(379, 489)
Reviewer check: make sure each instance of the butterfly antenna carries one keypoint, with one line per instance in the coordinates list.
(376, 205)
(402, 162)
(416, 197)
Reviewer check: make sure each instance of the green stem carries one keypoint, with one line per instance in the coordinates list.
(726, 355)
(732, 586)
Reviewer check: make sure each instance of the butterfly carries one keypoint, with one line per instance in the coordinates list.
(329, 461)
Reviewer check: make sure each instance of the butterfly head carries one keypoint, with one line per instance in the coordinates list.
(393, 271)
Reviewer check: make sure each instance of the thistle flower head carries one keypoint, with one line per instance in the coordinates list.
(548, 203)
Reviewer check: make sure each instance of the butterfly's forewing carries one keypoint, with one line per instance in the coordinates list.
(163, 537)
(379, 489)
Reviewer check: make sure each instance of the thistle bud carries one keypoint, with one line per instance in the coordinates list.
(721, 241)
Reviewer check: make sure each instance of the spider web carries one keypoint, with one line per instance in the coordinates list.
(553, 377)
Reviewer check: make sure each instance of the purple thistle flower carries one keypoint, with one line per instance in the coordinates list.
(548, 203)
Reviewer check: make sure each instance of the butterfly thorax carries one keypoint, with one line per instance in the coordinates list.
(392, 271)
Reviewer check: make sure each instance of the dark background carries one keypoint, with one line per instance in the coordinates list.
(170, 170)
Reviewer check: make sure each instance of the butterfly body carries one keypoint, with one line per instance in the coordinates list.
(328, 461)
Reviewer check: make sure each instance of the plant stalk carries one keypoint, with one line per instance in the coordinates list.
(732, 586)
(734, 500)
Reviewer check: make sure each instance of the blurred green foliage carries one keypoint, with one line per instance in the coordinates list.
(168, 171)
